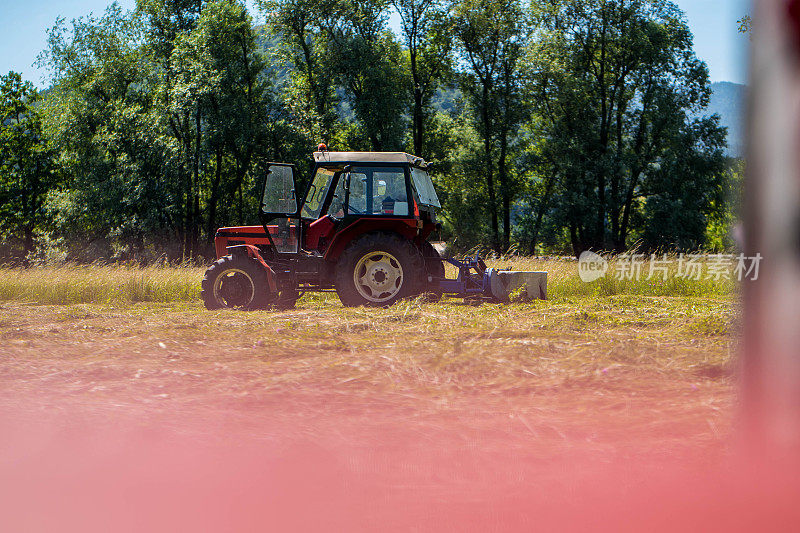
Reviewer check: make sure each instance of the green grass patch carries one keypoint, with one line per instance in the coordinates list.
(563, 280)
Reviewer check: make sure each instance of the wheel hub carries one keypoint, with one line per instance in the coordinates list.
(378, 276)
(234, 288)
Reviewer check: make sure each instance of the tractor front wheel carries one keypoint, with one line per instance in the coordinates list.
(378, 269)
(236, 282)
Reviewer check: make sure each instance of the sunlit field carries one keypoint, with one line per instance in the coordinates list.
(601, 331)
(72, 284)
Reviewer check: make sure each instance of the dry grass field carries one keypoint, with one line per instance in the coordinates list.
(446, 402)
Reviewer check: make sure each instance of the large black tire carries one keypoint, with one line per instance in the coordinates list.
(435, 269)
(236, 282)
(378, 269)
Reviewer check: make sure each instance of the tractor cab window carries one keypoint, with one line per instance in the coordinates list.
(357, 200)
(376, 191)
(424, 188)
(317, 193)
(389, 195)
(285, 234)
(336, 208)
(279, 194)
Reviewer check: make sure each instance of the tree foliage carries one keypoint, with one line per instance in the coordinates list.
(616, 90)
(426, 32)
(27, 169)
(491, 38)
(563, 124)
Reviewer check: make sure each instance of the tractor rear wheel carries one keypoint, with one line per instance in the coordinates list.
(236, 282)
(378, 269)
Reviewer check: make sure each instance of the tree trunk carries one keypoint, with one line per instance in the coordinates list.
(599, 230)
(241, 208)
(487, 147)
(417, 122)
(214, 198)
(577, 245)
(543, 203)
(504, 186)
(615, 181)
(196, 222)
(29, 245)
(626, 212)
(187, 194)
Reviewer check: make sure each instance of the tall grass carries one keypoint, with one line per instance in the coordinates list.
(73, 284)
(563, 280)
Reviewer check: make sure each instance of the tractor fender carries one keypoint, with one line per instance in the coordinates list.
(252, 252)
(407, 228)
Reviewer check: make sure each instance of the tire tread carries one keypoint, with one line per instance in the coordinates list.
(262, 298)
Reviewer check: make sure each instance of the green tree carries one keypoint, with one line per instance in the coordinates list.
(101, 118)
(303, 47)
(346, 82)
(615, 87)
(455, 147)
(218, 80)
(686, 190)
(27, 167)
(491, 36)
(726, 210)
(368, 63)
(425, 27)
(580, 122)
(162, 117)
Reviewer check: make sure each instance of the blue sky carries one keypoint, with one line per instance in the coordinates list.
(23, 33)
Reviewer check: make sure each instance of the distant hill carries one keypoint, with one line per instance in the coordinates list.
(728, 101)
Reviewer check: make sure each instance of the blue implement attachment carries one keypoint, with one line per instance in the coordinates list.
(476, 281)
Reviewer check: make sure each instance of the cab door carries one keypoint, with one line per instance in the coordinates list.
(279, 210)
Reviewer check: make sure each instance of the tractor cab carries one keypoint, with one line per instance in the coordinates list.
(302, 238)
(352, 191)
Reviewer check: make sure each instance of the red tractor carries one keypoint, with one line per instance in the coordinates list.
(361, 230)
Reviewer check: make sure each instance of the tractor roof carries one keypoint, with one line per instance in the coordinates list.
(368, 157)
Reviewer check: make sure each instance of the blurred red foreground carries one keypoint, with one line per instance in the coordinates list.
(71, 471)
